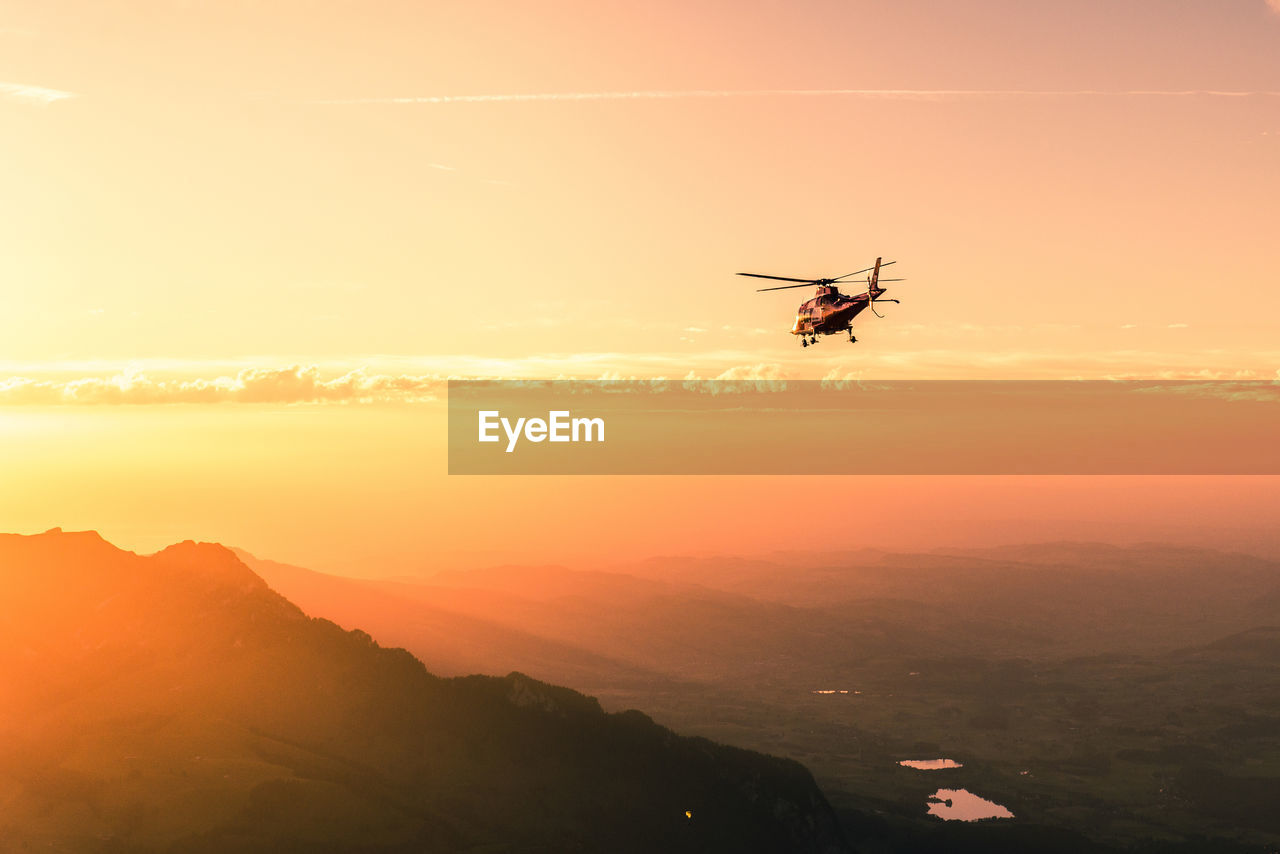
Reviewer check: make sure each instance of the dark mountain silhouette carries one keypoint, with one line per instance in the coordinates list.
(173, 702)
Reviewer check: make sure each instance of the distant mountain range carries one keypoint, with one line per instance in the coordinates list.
(1091, 688)
(726, 620)
(175, 703)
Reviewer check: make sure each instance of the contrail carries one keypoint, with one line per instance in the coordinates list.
(32, 94)
(671, 94)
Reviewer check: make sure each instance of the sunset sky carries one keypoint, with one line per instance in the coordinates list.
(242, 243)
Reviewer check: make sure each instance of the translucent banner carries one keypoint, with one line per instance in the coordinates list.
(904, 427)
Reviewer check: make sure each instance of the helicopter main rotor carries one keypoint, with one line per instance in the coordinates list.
(809, 283)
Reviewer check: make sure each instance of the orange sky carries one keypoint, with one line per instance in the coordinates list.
(193, 191)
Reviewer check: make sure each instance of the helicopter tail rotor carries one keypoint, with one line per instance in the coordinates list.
(872, 281)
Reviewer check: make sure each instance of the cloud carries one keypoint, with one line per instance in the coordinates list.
(386, 379)
(37, 95)
(1275, 5)
(760, 377)
(670, 94)
(294, 384)
(762, 371)
(1255, 391)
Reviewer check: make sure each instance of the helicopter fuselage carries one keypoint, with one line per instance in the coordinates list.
(830, 311)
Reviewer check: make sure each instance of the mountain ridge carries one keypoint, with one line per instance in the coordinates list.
(174, 702)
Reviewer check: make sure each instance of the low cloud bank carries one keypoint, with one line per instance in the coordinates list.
(294, 384)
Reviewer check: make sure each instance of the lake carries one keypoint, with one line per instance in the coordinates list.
(930, 764)
(963, 805)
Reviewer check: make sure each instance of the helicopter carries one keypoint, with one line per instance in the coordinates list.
(831, 312)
